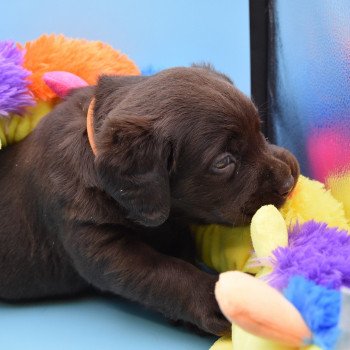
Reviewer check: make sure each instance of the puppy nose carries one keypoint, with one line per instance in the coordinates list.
(286, 187)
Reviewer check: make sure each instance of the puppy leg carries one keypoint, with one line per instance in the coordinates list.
(172, 239)
(113, 261)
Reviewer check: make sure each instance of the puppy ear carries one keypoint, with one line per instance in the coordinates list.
(132, 166)
(211, 69)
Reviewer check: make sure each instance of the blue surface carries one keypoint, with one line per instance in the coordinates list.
(157, 33)
(91, 324)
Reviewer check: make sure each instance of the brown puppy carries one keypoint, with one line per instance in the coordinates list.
(181, 147)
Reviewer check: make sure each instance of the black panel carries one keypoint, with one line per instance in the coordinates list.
(261, 47)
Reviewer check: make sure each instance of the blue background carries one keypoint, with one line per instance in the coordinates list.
(161, 33)
(158, 33)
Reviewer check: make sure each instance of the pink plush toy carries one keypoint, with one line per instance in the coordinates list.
(61, 82)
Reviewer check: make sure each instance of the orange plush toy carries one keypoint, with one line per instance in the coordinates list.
(86, 59)
(78, 62)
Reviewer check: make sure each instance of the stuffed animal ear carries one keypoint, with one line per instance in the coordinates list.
(268, 231)
(132, 166)
(61, 82)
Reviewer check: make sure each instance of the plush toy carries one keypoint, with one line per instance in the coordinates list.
(14, 96)
(34, 77)
(14, 93)
(283, 248)
(230, 248)
(255, 307)
(61, 82)
(86, 59)
(308, 265)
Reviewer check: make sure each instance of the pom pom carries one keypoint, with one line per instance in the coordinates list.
(86, 59)
(320, 308)
(315, 251)
(14, 93)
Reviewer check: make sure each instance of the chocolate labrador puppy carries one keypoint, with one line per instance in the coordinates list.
(183, 146)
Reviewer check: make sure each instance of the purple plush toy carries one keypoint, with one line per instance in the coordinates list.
(14, 93)
(310, 272)
(316, 252)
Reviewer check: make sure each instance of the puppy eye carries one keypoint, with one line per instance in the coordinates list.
(224, 161)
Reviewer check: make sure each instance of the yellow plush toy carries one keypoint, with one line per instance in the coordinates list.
(254, 307)
(230, 248)
(17, 127)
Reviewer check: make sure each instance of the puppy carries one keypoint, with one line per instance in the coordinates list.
(111, 211)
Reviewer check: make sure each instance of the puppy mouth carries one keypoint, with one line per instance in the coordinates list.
(245, 219)
(249, 212)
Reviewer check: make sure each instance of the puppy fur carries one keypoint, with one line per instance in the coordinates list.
(181, 147)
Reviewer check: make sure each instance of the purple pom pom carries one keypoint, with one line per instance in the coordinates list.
(316, 252)
(14, 93)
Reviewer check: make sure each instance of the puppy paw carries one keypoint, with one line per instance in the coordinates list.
(208, 316)
(217, 325)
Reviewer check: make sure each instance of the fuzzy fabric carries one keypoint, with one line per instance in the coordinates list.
(304, 204)
(14, 93)
(320, 308)
(86, 59)
(17, 127)
(317, 252)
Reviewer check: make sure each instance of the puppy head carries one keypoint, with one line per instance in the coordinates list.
(186, 141)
